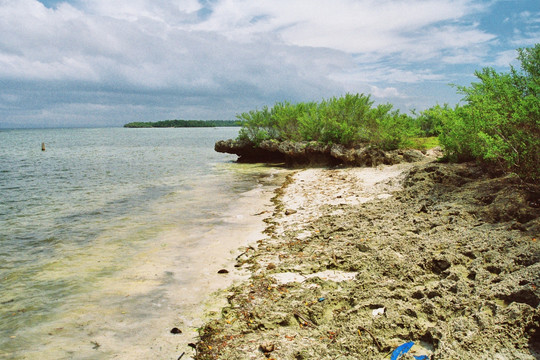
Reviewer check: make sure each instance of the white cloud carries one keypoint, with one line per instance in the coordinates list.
(381, 26)
(378, 74)
(527, 30)
(134, 10)
(525, 38)
(530, 17)
(162, 44)
(236, 51)
(386, 93)
(65, 68)
(505, 58)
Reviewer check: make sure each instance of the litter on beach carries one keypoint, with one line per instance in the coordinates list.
(403, 349)
(378, 312)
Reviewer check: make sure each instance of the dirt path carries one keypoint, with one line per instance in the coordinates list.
(359, 261)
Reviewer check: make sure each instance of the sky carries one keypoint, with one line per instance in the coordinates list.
(93, 63)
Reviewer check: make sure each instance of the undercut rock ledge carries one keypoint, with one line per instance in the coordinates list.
(312, 153)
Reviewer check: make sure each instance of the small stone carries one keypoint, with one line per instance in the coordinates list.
(176, 331)
(267, 347)
(439, 265)
(290, 212)
(271, 266)
(223, 271)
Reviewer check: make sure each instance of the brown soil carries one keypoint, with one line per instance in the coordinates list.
(360, 261)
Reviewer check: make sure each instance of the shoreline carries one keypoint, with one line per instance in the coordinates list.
(357, 261)
(213, 264)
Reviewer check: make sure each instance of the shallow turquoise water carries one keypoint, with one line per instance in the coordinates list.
(96, 227)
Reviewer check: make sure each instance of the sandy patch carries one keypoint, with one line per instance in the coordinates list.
(330, 275)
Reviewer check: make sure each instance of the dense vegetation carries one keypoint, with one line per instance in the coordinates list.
(182, 123)
(497, 124)
(348, 120)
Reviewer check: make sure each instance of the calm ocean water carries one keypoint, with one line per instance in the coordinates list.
(98, 235)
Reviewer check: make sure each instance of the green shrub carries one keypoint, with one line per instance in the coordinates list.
(311, 124)
(347, 120)
(500, 121)
(257, 126)
(455, 136)
(286, 117)
(393, 130)
(429, 121)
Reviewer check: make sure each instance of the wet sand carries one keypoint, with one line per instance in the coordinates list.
(207, 270)
(173, 281)
(358, 261)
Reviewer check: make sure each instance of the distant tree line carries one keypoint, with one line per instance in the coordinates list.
(182, 123)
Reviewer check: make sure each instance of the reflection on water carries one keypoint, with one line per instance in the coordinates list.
(112, 236)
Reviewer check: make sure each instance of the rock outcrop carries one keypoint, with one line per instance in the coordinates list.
(312, 153)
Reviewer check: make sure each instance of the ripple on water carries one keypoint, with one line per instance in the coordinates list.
(109, 233)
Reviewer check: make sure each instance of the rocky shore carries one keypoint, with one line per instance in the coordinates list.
(358, 261)
(294, 153)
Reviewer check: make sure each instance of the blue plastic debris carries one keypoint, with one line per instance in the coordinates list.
(401, 350)
(321, 299)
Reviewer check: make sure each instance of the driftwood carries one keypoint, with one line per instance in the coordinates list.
(245, 252)
(360, 327)
(300, 317)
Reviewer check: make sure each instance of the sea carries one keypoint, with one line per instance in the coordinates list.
(112, 237)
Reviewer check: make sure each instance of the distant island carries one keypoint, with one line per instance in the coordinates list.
(182, 123)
